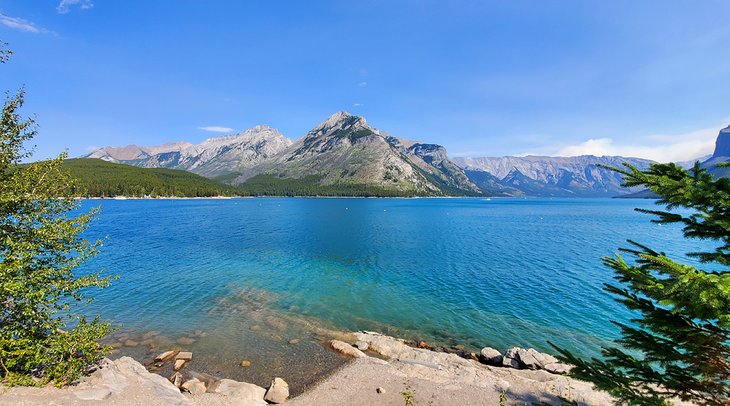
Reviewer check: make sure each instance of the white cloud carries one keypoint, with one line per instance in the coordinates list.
(65, 5)
(657, 147)
(357, 104)
(20, 24)
(216, 129)
(362, 84)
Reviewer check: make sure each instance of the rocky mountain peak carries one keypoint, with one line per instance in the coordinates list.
(341, 120)
(722, 145)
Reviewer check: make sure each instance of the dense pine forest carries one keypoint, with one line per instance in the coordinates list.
(98, 178)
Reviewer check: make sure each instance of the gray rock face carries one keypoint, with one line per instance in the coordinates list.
(722, 145)
(278, 391)
(490, 356)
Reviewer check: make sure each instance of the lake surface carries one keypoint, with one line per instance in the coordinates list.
(269, 279)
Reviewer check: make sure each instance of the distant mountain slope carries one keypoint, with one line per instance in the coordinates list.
(98, 178)
(552, 176)
(212, 157)
(344, 153)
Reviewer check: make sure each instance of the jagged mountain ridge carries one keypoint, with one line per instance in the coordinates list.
(345, 150)
(550, 176)
(212, 157)
(720, 155)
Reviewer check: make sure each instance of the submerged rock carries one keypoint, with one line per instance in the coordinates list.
(278, 391)
(185, 340)
(179, 364)
(245, 363)
(166, 356)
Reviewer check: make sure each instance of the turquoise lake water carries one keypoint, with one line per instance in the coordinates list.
(253, 274)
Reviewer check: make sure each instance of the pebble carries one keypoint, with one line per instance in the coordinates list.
(245, 363)
(294, 341)
(380, 389)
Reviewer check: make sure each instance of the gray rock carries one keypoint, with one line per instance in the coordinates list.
(490, 356)
(527, 359)
(362, 345)
(240, 393)
(380, 389)
(346, 349)
(558, 368)
(94, 394)
(542, 358)
(278, 391)
(510, 358)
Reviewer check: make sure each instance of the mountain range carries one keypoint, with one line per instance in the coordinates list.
(344, 155)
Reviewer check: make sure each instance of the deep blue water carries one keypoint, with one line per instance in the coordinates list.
(499, 272)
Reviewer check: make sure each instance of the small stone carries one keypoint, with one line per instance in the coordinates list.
(184, 355)
(185, 340)
(177, 379)
(422, 344)
(179, 363)
(490, 356)
(278, 391)
(362, 345)
(166, 356)
(380, 389)
(245, 363)
(294, 341)
(131, 343)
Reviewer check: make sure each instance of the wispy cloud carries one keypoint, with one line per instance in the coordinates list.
(357, 104)
(65, 5)
(657, 147)
(362, 84)
(20, 24)
(216, 129)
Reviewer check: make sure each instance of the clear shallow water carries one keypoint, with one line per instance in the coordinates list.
(254, 274)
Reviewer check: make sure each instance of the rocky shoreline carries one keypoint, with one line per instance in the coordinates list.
(383, 370)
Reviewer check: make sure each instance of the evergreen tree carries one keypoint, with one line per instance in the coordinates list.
(41, 339)
(678, 346)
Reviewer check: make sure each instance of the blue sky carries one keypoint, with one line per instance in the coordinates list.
(640, 78)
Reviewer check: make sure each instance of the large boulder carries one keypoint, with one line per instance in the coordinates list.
(527, 359)
(240, 393)
(511, 359)
(490, 356)
(278, 391)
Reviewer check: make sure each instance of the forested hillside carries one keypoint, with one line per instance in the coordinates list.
(98, 178)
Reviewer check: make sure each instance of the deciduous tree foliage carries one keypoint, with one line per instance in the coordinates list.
(41, 339)
(678, 346)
